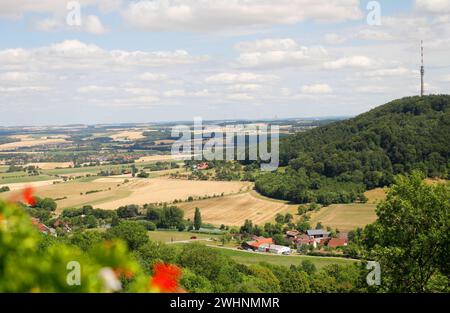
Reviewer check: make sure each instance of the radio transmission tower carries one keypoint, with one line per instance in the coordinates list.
(422, 70)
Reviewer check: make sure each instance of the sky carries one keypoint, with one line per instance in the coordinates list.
(136, 61)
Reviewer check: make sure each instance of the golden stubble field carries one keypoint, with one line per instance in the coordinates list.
(26, 141)
(109, 193)
(167, 190)
(233, 210)
(346, 217)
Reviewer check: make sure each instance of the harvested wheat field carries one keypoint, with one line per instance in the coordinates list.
(28, 141)
(345, 217)
(128, 135)
(233, 210)
(51, 165)
(35, 184)
(158, 190)
(74, 193)
(375, 195)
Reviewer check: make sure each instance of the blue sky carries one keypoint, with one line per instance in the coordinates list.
(144, 61)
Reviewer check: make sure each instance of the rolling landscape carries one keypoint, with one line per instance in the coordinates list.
(225, 147)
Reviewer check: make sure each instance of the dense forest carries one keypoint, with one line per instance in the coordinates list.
(337, 162)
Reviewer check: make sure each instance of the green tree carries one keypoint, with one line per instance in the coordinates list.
(133, 233)
(411, 237)
(279, 218)
(47, 204)
(127, 211)
(197, 219)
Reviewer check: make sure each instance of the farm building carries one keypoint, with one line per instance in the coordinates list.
(317, 234)
(43, 228)
(266, 247)
(256, 242)
(337, 242)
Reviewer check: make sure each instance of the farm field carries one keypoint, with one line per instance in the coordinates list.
(345, 217)
(112, 192)
(128, 135)
(375, 195)
(25, 141)
(233, 210)
(167, 236)
(51, 165)
(249, 258)
(7, 179)
(167, 190)
(73, 193)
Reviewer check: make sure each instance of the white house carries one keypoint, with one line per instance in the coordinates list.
(274, 249)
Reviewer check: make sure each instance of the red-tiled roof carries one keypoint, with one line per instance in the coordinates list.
(259, 241)
(337, 242)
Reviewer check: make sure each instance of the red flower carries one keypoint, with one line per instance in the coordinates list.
(166, 277)
(27, 195)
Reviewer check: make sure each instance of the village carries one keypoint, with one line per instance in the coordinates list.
(299, 242)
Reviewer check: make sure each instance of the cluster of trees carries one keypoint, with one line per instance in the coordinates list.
(299, 187)
(87, 217)
(4, 189)
(334, 163)
(206, 269)
(166, 216)
(41, 209)
(410, 239)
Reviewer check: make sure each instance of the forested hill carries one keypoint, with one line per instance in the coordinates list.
(336, 162)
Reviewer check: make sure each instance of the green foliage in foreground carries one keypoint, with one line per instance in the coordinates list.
(411, 238)
(33, 262)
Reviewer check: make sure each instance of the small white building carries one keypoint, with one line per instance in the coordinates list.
(274, 249)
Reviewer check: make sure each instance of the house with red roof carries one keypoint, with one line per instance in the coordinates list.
(337, 242)
(256, 242)
(42, 227)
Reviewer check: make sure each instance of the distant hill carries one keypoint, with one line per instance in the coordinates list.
(336, 162)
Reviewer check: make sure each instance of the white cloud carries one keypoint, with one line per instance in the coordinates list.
(95, 89)
(232, 78)
(371, 89)
(73, 54)
(175, 93)
(371, 34)
(245, 87)
(334, 39)
(359, 61)
(240, 97)
(14, 77)
(206, 15)
(317, 89)
(92, 24)
(433, 6)
(17, 8)
(153, 77)
(267, 45)
(276, 52)
(400, 71)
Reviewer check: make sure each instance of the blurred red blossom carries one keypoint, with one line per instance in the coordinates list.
(27, 195)
(166, 277)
